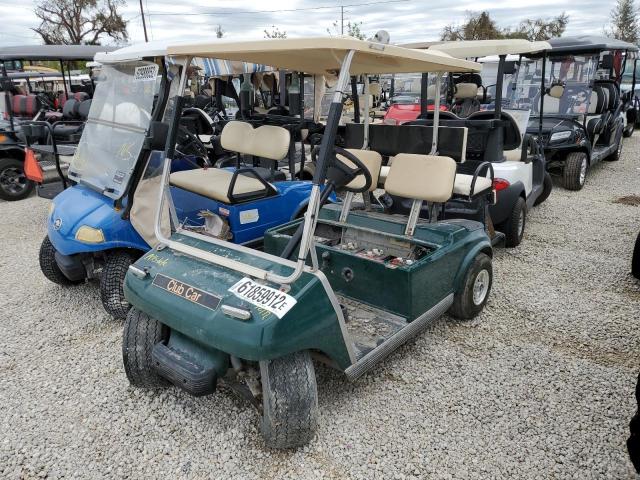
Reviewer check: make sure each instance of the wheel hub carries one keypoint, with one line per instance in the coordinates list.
(481, 287)
(13, 180)
(583, 171)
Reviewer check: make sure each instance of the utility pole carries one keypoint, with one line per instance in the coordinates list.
(144, 24)
(341, 18)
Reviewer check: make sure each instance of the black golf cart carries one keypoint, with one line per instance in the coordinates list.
(59, 113)
(580, 111)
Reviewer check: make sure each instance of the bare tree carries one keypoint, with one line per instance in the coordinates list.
(540, 28)
(624, 21)
(353, 30)
(76, 22)
(478, 26)
(219, 31)
(275, 33)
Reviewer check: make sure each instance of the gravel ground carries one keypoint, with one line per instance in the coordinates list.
(540, 385)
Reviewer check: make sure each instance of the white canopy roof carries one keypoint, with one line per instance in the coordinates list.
(324, 54)
(157, 48)
(484, 48)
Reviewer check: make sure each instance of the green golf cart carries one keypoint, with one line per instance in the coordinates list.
(345, 285)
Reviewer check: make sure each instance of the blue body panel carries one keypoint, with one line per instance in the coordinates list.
(248, 220)
(80, 205)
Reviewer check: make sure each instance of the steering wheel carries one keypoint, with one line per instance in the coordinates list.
(46, 101)
(342, 174)
(189, 144)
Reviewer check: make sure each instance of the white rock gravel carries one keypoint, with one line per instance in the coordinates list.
(540, 386)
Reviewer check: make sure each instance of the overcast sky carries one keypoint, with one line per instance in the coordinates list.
(405, 20)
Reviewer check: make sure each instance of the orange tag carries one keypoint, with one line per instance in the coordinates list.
(32, 168)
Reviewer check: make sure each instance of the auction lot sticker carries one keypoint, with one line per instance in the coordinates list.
(267, 298)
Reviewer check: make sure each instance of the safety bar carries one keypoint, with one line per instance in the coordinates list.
(489, 166)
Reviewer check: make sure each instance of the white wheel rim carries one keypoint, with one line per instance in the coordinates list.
(583, 171)
(481, 287)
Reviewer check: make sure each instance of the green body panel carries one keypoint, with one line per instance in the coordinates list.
(407, 290)
(311, 324)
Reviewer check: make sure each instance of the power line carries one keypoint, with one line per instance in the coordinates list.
(241, 12)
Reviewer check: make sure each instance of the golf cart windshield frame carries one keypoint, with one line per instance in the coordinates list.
(371, 57)
(126, 84)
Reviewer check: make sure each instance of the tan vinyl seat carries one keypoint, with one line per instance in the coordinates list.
(267, 141)
(384, 173)
(421, 177)
(214, 183)
(462, 185)
(372, 160)
(514, 155)
(466, 90)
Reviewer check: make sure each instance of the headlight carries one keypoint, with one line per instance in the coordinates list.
(52, 207)
(560, 136)
(88, 234)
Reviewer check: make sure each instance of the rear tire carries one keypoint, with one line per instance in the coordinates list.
(14, 185)
(470, 300)
(290, 400)
(111, 282)
(575, 171)
(140, 334)
(49, 266)
(627, 132)
(635, 260)
(615, 156)
(513, 228)
(547, 186)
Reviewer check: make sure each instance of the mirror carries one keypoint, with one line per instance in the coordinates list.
(510, 68)
(607, 62)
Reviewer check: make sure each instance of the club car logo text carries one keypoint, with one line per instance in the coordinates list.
(187, 292)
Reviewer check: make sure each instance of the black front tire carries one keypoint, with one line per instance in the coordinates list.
(290, 400)
(476, 287)
(14, 185)
(627, 132)
(635, 260)
(575, 171)
(515, 225)
(111, 282)
(547, 187)
(141, 333)
(49, 266)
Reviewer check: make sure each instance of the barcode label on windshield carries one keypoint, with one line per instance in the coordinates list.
(145, 73)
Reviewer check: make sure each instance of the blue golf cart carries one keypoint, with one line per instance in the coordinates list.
(103, 222)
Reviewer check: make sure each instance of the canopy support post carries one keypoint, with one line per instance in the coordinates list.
(436, 116)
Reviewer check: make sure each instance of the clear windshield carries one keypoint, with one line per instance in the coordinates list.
(568, 81)
(116, 126)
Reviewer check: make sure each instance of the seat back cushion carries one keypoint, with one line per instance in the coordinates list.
(373, 162)
(83, 109)
(421, 177)
(390, 140)
(466, 90)
(70, 108)
(25, 105)
(266, 141)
